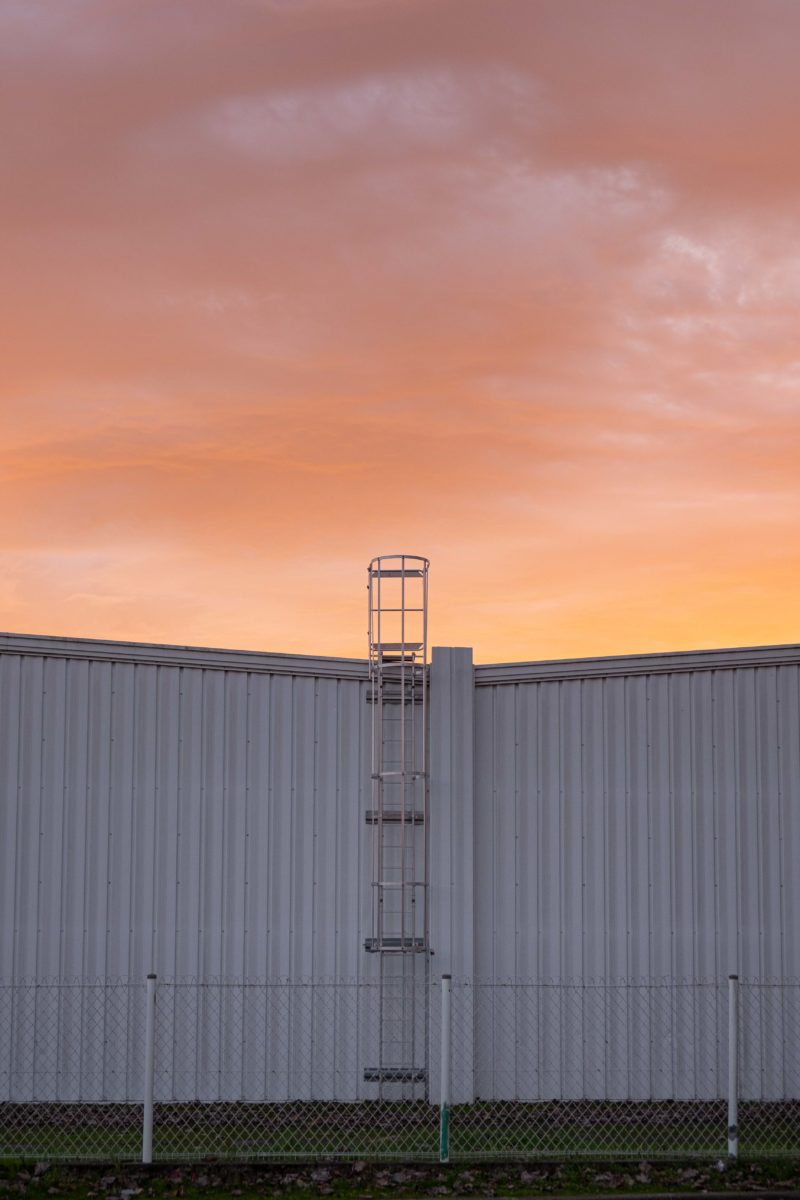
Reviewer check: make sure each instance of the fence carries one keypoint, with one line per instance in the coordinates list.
(183, 1070)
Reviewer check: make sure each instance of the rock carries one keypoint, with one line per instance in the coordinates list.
(320, 1175)
(40, 1168)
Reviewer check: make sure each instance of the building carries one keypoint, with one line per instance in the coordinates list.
(203, 813)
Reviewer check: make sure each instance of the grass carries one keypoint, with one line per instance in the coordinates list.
(499, 1131)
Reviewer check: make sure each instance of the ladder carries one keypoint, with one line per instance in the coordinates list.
(400, 937)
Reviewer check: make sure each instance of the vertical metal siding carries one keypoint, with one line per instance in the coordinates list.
(635, 827)
(638, 827)
(207, 820)
(190, 821)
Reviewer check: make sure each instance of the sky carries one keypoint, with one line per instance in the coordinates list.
(513, 284)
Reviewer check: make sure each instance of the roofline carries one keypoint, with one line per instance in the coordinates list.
(202, 657)
(320, 666)
(672, 662)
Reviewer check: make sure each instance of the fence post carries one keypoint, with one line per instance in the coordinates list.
(444, 1091)
(149, 1069)
(733, 1067)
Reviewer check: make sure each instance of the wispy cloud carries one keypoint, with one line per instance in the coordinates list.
(287, 284)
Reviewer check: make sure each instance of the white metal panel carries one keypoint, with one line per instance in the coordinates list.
(640, 826)
(196, 657)
(630, 665)
(788, 700)
(194, 821)
(10, 721)
(637, 827)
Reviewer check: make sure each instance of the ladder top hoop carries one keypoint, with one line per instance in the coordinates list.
(399, 566)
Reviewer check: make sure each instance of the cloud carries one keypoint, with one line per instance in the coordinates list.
(515, 285)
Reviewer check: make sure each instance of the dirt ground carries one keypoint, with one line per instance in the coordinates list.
(371, 1181)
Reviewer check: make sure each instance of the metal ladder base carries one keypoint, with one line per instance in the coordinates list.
(395, 1074)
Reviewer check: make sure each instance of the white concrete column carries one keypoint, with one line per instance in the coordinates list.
(452, 713)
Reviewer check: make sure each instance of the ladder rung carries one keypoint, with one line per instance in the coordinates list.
(406, 609)
(409, 775)
(397, 573)
(394, 816)
(395, 685)
(396, 884)
(394, 945)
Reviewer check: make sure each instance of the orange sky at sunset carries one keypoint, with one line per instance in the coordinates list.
(514, 284)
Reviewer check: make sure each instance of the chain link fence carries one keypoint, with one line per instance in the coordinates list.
(768, 1047)
(184, 1070)
(72, 1070)
(607, 1070)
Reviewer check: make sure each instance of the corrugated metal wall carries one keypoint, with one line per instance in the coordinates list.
(638, 826)
(201, 813)
(187, 819)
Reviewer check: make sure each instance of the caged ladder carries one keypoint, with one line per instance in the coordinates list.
(400, 940)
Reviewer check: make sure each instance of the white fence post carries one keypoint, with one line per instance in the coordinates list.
(149, 1070)
(733, 1067)
(444, 1093)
